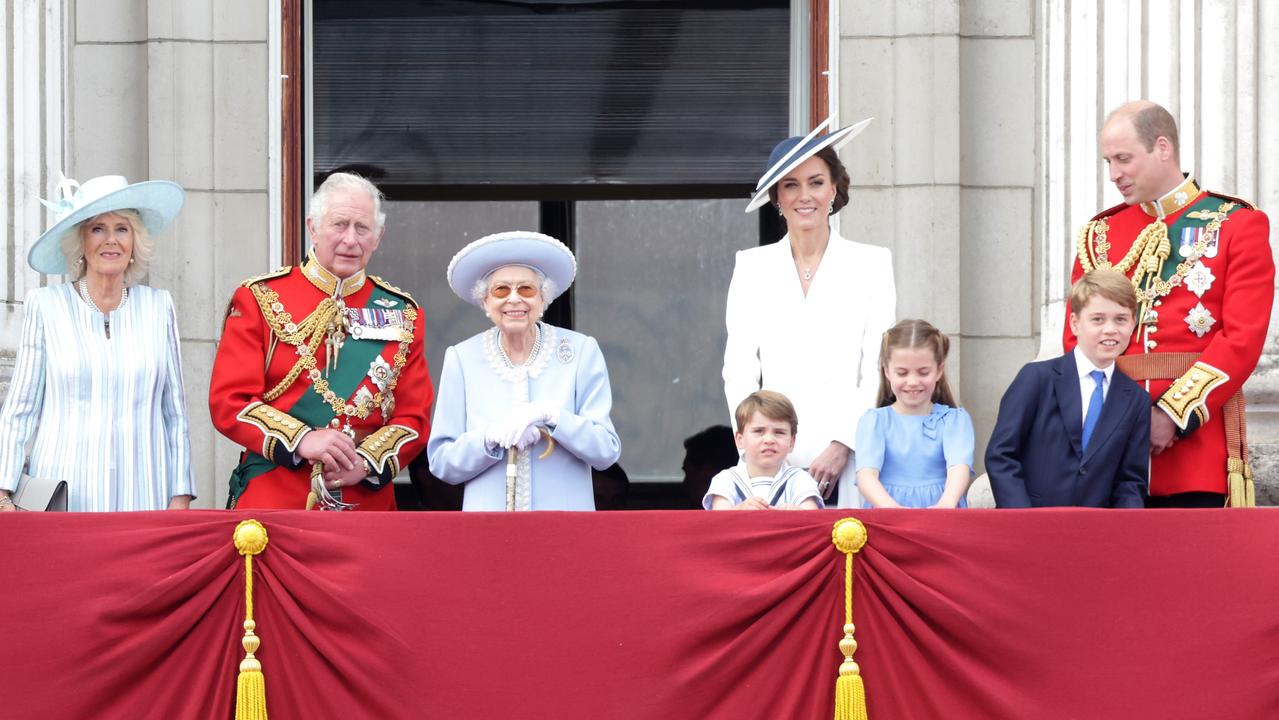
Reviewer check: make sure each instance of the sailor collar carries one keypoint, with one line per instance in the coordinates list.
(1176, 199)
(329, 283)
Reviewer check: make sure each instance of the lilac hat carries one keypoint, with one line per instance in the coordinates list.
(530, 249)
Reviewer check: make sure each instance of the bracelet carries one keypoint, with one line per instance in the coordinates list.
(7, 500)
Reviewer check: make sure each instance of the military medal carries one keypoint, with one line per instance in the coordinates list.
(374, 324)
(1200, 320)
(1200, 278)
(1189, 236)
(336, 336)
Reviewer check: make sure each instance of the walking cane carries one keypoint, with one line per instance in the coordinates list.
(511, 459)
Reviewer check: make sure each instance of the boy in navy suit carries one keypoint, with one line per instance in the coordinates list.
(1074, 430)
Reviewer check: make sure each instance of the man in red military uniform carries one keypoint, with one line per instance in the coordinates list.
(1201, 266)
(321, 374)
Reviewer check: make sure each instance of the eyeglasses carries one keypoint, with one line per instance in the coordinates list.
(523, 289)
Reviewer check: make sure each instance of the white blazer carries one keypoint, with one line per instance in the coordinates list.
(819, 350)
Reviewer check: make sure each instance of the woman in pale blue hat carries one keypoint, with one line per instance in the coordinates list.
(523, 408)
(98, 379)
(805, 315)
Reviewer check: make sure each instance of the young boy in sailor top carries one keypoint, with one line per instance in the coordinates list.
(762, 480)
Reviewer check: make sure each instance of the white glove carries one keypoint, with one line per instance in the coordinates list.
(548, 414)
(529, 438)
(522, 424)
(493, 434)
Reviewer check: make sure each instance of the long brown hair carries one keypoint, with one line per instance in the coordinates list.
(907, 335)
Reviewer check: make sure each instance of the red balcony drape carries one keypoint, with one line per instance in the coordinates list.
(960, 614)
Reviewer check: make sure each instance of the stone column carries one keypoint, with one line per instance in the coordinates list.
(32, 55)
(207, 93)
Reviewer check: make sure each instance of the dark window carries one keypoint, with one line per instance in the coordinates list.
(551, 100)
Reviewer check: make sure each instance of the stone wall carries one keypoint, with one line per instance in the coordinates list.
(173, 89)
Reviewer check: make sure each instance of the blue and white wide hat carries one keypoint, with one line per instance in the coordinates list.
(157, 201)
(793, 151)
(541, 252)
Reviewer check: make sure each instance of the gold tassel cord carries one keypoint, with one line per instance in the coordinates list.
(849, 535)
(250, 687)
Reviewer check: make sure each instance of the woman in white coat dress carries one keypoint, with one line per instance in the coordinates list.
(521, 384)
(805, 315)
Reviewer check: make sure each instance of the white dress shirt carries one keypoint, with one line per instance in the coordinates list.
(1086, 384)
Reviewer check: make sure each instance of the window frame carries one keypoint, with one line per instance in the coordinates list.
(810, 101)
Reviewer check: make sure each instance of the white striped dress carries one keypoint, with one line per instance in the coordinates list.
(108, 415)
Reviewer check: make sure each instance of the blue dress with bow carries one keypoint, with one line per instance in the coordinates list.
(913, 452)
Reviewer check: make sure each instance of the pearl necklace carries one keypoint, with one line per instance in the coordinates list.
(83, 287)
(537, 346)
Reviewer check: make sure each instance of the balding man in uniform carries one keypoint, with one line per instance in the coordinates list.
(1201, 266)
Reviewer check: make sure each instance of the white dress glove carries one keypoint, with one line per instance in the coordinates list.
(493, 435)
(522, 423)
(528, 438)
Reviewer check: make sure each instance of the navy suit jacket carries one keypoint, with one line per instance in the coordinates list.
(1036, 458)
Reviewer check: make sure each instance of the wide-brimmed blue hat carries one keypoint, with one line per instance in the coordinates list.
(541, 252)
(157, 201)
(793, 151)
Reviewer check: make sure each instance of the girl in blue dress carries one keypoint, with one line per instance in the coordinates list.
(915, 449)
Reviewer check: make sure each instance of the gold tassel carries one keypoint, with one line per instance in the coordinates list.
(1239, 484)
(849, 535)
(250, 687)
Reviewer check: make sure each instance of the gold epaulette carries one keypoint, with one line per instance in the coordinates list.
(391, 288)
(1231, 198)
(280, 272)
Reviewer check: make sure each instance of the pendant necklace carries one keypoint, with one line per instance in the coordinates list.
(83, 286)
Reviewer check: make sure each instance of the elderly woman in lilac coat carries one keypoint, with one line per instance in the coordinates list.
(524, 392)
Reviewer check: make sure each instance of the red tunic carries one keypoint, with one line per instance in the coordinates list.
(1222, 314)
(266, 327)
